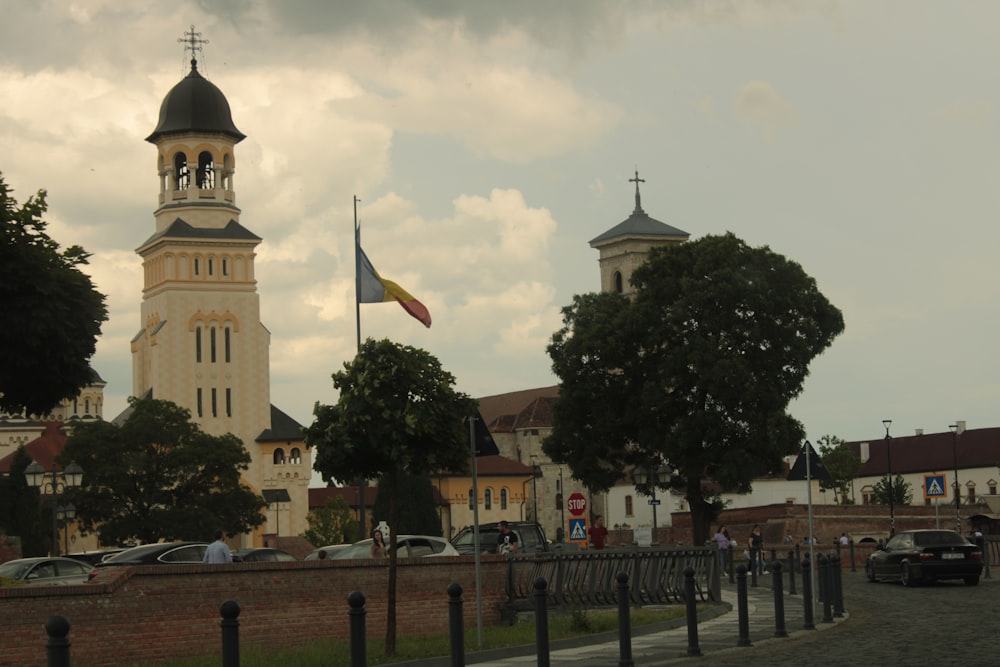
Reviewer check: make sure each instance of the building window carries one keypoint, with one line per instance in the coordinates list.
(628, 506)
(206, 172)
(472, 499)
(227, 331)
(197, 266)
(619, 287)
(199, 403)
(229, 402)
(211, 344)
(971, 491)
(279, 456)
(993, 487)
(215, 402)
(503, 499)
(197, 344)
(211, 266)
(225, 266)
(86, 407)
(867, 495)
(295, 456)
(488, 499)
(181, 171)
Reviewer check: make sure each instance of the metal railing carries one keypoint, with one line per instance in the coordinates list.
(589, 578)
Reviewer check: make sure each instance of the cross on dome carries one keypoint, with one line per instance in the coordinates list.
(192, 41)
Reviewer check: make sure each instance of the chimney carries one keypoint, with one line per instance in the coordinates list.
(961, 427)
(919, 431)
(864, 454)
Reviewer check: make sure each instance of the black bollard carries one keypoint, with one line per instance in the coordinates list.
(230, 625)
(542, 622)
(456, 631)
(779, 600)
(624, 623)
(837, 587)
(57, 646)
(359, 649)
(742, 608)
(850, 550)
(807, 596)
(824, 587)
(791, 572)
(692, 612)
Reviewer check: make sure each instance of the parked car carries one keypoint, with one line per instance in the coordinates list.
(96, 556)
(261, 555)
(330, 550)
(47, 571)
(530, 538)
(168, 553)
(915, 556)
(407, 546)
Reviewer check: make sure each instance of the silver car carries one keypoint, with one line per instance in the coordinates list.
(47, 571)
(407, 546)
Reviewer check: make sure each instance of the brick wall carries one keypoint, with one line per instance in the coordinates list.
(152, 613)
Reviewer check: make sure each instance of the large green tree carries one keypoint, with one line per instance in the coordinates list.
(52, 313)
(397, 414)
(842, 464)
(901, 491)
(158, 476)
(22, 513)
(417, 516)
(694, 373)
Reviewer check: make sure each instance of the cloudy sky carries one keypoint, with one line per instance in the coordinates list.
(490, 141)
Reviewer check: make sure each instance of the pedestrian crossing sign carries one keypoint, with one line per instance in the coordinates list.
(934, 486)
(578, 530)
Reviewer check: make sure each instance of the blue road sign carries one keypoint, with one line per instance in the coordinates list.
(934, 486)
(578, 529)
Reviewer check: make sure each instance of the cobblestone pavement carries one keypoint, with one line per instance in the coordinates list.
(940, 624)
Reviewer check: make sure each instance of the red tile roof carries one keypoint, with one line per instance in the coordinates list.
(512, 403)
(43, 449)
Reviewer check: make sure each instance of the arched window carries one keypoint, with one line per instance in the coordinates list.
(628, 506)
(206, 171)
(503, 499)
(197, 344)
(488, 499)
(227, 337)
(183, 176)
(472, 499)
(618, 282)
(279, 456)
(211, 344)
(295, 456)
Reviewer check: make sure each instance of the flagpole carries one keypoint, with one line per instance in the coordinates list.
(362, 483)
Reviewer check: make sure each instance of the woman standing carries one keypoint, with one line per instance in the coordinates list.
(378, 549)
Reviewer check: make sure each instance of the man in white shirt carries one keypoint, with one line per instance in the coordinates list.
(218, 551)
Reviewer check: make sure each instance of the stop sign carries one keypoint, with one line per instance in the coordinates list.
(576, 504)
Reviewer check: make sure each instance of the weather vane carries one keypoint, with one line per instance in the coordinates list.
(192, 41)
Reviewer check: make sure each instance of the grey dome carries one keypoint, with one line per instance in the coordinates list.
(195, 105)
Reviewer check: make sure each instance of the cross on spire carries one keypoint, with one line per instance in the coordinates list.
(637, 181)
(192, 41)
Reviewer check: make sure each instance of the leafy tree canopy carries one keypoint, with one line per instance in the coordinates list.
(842, 464)
(901, 493)
(397, 414)
(696, 370)
(158, 476)
(418, 515)
(52, 311)
(331, 524)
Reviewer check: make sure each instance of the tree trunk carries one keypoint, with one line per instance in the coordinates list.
(701, 513)
(390, 620)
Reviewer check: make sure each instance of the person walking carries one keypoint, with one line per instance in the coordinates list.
(598, 533)
(218, 551)
(506, 540)
(757, 549)
(722, 540)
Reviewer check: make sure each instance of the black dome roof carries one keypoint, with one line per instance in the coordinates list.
(195, 105)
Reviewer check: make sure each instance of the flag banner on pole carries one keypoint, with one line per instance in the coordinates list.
(373, 288)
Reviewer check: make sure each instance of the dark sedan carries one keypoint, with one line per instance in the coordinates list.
(162, 553)
(916, 556)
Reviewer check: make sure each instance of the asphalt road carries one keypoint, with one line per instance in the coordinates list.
(940, 624)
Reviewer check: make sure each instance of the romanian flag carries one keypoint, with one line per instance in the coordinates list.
(373, 288)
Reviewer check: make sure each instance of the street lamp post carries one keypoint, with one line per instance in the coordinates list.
(892, 496)
(958, 490)
(71, 476)
(653, 477)
(66, 513)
